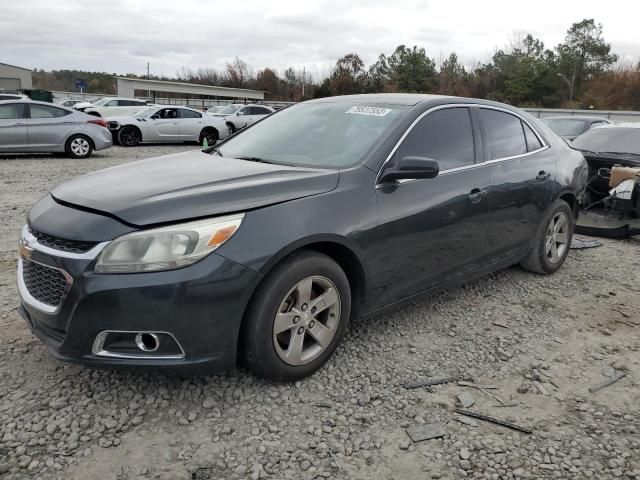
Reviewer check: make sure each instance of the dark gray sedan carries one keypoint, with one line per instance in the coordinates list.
(27, 126)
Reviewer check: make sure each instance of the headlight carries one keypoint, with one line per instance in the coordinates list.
(166, 248)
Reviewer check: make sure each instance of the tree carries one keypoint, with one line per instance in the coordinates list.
(410, 70)
(238, 74)
(583, 54)
(348, 75)
(452, 78)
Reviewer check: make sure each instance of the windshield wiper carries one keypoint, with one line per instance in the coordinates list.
(254, 159)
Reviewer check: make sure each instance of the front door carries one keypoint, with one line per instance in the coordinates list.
(164, 126)
(13, 127)
(522, 171)
(432, 230)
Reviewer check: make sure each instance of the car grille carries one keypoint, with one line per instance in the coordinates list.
(71, 246)
(46, 284)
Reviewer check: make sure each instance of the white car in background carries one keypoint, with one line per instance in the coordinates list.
(238, 116)
(112, 106)
(167, 124)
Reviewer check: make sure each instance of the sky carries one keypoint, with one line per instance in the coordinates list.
(121, 36)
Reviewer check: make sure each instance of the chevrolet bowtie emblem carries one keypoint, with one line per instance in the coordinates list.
(25, 251)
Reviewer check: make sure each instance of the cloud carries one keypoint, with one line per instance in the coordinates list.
(122, 35)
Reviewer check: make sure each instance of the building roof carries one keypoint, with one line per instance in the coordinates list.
(13, 66)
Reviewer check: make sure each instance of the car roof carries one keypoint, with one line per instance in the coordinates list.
(575, 117)
(408, 99)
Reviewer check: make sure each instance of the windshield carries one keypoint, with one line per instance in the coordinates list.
(565, 126)
(101, 102)
(229, 109)
(329, 135)
(610, 139)
(147, 112)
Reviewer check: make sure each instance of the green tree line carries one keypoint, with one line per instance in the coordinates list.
(580, 72)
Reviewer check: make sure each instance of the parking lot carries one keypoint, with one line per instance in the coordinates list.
(534, 345)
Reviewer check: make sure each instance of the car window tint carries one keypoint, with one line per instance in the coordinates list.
(45, 111)
(112, 103)
(504, 132)
(11, 111)
(184, 113)
(168, 113)
(444, 135)
(533, 142)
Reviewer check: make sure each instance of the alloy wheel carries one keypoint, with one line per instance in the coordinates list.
(306, 320)
(557, 237)
(80, 146)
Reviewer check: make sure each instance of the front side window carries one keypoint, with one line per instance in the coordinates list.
(168, 113)
(322, 134)
(45, 111)
(11, 111)
(112, 103)
(444, 135)
(184, 113)
(505, 136)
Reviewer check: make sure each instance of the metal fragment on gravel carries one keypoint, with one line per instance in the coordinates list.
(429, 382)
(606, 383)
(486, 418)
(428, 431)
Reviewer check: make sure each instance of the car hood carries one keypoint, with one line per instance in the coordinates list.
(190, 185)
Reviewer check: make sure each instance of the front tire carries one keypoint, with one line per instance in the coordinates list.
(129, 136)
(78, 146)
(210, 135)
(297, 317)
(553, 240)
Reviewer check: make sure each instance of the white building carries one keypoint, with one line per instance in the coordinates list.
(13, 79)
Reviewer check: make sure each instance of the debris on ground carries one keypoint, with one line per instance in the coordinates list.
(428, 431)
(430, 382)
(466, 399)
(578, 243)
(487, 418)
(617, 377)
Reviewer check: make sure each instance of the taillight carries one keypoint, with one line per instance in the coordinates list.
(99, 121)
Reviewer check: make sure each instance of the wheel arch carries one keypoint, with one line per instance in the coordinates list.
(340, 250)
(78, 134)
(570, 197)
(206, 128)
(126, 125)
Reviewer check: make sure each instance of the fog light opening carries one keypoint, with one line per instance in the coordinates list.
(147, 342)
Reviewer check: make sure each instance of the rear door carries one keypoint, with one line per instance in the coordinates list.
(522, 169)
(432, 230)
(191, 124)
(164, 126)
(13, 127)
(48, 127)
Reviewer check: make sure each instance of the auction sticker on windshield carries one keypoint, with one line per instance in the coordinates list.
(373, 111)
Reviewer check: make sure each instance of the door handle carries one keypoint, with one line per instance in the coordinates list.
(542, 175)
(476, 195)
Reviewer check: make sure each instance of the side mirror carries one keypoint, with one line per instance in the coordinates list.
(154, 116)
(411, 167)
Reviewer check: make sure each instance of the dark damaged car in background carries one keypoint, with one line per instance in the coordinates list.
(262, 249)
(611, 203)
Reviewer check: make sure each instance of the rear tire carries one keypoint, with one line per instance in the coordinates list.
(129, 136)
(296, 318)
(553, 240)
(78, 146)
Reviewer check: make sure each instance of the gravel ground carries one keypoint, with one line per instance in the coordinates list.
(535, 344)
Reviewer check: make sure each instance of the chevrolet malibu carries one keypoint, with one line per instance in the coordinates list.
(262, 249)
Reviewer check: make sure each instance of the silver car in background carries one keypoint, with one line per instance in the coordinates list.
(167, 124)
(28, 126)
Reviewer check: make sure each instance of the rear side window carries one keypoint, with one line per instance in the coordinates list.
(45, 111)
(505, 136)
(11, 111)
(533, 142)
(444, 135)
(184, 113)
